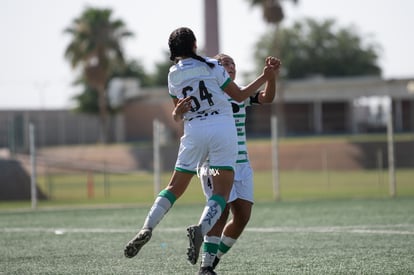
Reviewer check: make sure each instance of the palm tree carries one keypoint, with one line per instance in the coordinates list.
(272, 10)
(273, 14)
(96, 48)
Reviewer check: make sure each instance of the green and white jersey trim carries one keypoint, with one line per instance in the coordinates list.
(239, 115)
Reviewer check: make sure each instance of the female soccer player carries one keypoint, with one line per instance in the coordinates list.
(198, 86)
(222, 236)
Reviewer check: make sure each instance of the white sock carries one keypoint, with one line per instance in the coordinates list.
(212, 212)
(160, 207)
(225, 245)
(210, 247)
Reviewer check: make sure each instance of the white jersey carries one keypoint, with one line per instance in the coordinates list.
(239, 115)
(193, 78)
(243, 174)
(209, 131)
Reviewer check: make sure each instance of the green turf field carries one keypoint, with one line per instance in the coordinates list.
(348, 236)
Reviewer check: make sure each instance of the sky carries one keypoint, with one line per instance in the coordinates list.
(35, 75)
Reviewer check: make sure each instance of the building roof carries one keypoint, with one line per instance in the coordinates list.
(345, 89)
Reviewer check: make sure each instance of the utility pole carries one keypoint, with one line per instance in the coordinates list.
(211, 28)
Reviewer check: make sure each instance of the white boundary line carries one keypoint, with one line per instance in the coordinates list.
(397, 229)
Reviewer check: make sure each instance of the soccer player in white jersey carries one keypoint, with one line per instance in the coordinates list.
(197, 86)
(222, 236)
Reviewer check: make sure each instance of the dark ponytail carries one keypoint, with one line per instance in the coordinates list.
(181, 43)
(199, 58)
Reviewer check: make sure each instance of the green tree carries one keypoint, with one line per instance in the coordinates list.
(133, 68)
(96, 48)
(273, 14)
(312, 48)
(272, 10)
(87, 100)
(160, 77)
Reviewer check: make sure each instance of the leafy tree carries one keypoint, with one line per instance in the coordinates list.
(311, 48)
(159, 78)
(96, 48)
(273, 13)
(133, 69)
(272, 10)
(88, 99)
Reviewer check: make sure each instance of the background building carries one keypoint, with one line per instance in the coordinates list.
(314, 106)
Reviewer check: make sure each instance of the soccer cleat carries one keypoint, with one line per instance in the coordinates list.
(208, 270)
(195, 238)
(134, 246)
(216, 261)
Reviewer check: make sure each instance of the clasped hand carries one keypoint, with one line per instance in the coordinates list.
(272, 67)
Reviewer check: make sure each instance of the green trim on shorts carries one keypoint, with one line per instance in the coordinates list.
(184, 170)
(220, 200)
(168, 195)
(229, 168)
(210, 247)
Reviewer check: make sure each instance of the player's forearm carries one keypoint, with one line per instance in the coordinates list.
(252, 88)
(269, 92)
(241, 94)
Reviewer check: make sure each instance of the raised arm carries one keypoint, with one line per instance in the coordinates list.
(240, 94)
(268, 94)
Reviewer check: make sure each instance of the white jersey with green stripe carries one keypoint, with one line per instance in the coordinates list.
(239, 115)
(195, 79)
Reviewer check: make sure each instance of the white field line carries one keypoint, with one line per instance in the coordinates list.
(362, 229)
(397, 229)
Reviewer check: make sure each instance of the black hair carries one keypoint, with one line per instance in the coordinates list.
(181, 43)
